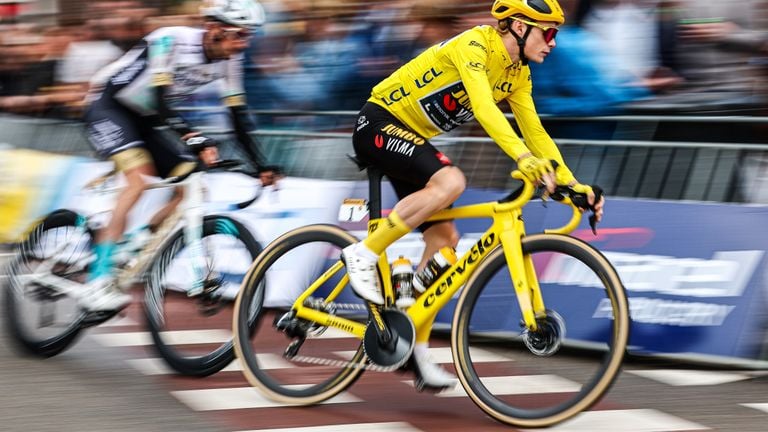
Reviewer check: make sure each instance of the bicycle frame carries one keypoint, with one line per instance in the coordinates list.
(506, 230)
(189, 212)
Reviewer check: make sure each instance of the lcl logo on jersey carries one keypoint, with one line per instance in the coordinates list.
(506, 87)
(427, 77)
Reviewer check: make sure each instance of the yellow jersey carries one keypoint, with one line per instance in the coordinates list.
(463, 78)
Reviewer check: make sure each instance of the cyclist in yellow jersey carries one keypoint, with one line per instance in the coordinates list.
(448, 85)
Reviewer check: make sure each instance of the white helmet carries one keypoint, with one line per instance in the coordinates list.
(241, 13)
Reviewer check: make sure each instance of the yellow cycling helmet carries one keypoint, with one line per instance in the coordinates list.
(537, 10)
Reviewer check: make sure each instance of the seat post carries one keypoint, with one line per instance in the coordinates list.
(374, 192)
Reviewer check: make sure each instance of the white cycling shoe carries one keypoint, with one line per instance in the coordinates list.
(363, 274)
(101, 295)
(430, 375)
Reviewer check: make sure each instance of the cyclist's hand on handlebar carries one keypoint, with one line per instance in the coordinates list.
(584, 197)
(595, 198)
(538, 170)
(209, 156)
(205, 148)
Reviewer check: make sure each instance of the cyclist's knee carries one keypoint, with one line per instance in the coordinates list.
(135, 177)
(449, 183)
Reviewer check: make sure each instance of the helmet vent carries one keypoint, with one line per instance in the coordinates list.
(539, 6)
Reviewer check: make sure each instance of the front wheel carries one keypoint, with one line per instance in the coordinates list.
(537, 378)
(40, 318)
(191, 330)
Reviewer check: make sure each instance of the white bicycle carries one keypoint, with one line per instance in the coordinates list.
(187, 265)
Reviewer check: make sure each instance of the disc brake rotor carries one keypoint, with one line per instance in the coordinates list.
(548, 337)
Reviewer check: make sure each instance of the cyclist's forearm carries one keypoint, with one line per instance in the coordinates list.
(169, 116)
(243, 125)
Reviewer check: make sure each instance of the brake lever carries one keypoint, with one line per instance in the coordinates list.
(581, 201)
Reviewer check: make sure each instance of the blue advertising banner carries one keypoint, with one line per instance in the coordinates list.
(694, 273)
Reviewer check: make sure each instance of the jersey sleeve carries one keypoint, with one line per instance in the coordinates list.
(470, 55)
(233, 93)
(160, 57)
(536, 138)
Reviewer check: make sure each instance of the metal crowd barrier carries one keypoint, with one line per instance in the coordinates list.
(643, 156)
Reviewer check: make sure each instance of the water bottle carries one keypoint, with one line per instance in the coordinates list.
(436, 266)
(402, 282)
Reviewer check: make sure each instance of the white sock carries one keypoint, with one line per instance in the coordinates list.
(421, 348)
(362, 250)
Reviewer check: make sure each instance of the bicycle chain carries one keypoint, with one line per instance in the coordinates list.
(343, 364)
(365, 364)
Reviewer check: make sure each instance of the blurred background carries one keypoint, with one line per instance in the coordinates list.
(663, 103)
(657, 99)
(649, 98)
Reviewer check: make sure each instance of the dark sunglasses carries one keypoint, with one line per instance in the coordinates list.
(549, 32)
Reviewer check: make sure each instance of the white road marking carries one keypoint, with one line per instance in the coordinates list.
(684, 377)
(634, 420)
(157, 366)
(238, 398)
(359, 427)
(181, 337)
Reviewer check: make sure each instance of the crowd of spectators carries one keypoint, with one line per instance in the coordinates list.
(612, 56)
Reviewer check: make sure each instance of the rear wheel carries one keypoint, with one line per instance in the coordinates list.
(293, 360)
(193, 333)
(536, 378)
(42, 320)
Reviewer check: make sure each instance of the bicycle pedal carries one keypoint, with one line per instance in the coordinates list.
(423, 387)
(195, 292)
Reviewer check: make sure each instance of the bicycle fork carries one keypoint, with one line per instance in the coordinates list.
(522, 271)
(193, 211)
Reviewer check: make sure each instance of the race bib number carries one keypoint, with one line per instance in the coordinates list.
(353, 210)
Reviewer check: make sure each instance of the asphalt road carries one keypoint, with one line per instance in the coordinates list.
(110, 381)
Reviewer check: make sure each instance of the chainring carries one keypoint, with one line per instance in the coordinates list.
(403, 333)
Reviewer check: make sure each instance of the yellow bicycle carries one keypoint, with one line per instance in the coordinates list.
(520, 294)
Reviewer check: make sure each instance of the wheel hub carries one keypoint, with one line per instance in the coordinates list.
(548, 337)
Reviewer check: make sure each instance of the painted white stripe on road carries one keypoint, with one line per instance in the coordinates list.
(181, 337)
(361, 427)
(157, 366)
(238, 398)
(684, 377)
(758, 406)
(636, 420)
(119, 322)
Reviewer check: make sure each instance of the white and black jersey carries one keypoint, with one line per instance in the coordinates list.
(172, 57)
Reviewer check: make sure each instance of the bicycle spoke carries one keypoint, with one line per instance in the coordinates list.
(41, 318)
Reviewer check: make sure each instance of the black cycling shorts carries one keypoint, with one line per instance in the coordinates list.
(112, 129)
(405, 157)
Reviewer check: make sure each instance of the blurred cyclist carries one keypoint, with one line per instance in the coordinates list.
(445, 86)
(133, 95)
